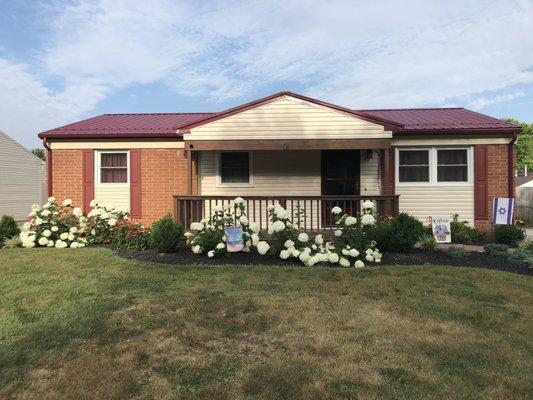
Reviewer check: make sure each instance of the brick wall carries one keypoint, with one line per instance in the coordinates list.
(67, 176)
(497, 179)
(163, 175)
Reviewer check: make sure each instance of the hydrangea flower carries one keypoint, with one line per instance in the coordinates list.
(278, 226)
(221, 246)
(368, 219)
(367, 205)
(254, 227)
(333, 258)
(344, 262)
(51, 199)
(359, 264)
(303, 237)
(284, 254)
(336, 210)
(196, 249)
(338, 232)
(349, 221)
(47, 233)
(43, 241)
(112, 222)
(210, 253)
(197, 226)
(288, 243)
(262, 247)
(218, 208)
(45, 213)
(67, 203)
(319, 239)
(238, 200)
(243, 220)
(255, 239)
(77, 212)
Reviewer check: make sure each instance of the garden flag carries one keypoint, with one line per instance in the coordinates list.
(502, 211)
(234, 241)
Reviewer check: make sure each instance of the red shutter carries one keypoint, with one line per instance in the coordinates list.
(135, 183)
(481, 199)
(88, 179)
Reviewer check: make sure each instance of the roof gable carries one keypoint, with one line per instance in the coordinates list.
(286, 117)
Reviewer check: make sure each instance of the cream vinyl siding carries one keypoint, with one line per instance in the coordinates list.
(274, 173)
(437, 201)
(113, 196)
(21, 179)
(370, 182)
(288, 118)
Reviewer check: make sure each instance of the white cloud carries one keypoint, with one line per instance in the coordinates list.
(29, 107)
(378, 54)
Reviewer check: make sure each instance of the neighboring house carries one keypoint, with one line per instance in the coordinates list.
(524, 198)
(21, 179)
(289, 148)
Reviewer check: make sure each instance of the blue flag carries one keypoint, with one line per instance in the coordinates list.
(502, 210)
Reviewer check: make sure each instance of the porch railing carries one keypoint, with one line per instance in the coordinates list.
(315, 211)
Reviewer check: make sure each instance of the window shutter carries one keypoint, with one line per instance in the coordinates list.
(135, 183)
(88, 179)
(480, 182)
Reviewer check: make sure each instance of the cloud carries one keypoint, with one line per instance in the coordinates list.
(28, 106)
(358, 54)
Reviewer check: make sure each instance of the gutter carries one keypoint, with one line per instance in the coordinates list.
(48, 166)
(510, 166)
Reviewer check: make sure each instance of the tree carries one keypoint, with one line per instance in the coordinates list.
(39, 153)
(524, 145)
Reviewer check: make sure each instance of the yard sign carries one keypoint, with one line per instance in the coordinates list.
(502, 210)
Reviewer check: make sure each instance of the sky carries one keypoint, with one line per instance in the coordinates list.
(62, 61)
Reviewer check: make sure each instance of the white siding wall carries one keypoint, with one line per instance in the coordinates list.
(21, 179)
(113, 196)
(437, 201)
(275, 173)
(370, 182)
(288, 118)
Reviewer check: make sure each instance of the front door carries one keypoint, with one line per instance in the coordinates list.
(341, 171)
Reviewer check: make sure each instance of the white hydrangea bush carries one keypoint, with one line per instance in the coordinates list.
(347, 248)
(102, 219)
(61, 225)
(207, 236)
(54, 225)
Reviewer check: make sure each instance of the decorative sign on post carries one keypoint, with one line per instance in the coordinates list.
(441, 230)
(234, 241)
(502, 210)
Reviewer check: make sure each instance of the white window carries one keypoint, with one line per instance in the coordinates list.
(434, 166)
(112, 167)
(235, 168)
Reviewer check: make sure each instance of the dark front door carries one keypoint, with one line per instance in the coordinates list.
(341, 171)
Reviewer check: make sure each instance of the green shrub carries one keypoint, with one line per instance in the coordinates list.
(527, 245)
(8, 228)
(465, 234)
(399, 234)
(457, 252)
(497, 249)
(130, 236)
(521, 258)
(12, 243)
(166, 234)
(509, 234)
(428, 242)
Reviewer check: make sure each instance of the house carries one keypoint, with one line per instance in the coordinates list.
(308, 154)
(21, 178)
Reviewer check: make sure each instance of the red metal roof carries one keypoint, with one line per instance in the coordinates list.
(401, 121)
(126, 125)
(437, 119)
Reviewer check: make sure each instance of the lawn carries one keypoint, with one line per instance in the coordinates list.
(85, 324)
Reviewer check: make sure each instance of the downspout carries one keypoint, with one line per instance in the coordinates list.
(510, 166)
(48, 167)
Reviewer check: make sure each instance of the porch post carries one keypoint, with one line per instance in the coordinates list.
(189, 171)
(388, 180)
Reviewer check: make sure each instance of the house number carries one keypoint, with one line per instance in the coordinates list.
(284, 146)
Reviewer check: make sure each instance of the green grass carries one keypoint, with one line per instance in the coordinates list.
(85, 324)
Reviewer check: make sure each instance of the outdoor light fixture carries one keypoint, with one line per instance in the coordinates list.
(369, 153)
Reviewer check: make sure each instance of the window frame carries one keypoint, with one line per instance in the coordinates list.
(414, 183)
(98, 170)
(218, 161)
(433, 164)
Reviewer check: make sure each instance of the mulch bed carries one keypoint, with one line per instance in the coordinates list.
(418, 257)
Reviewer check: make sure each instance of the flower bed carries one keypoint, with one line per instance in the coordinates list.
(351, 244)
